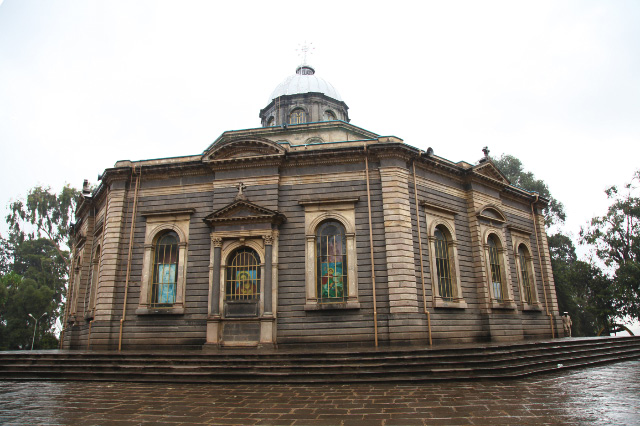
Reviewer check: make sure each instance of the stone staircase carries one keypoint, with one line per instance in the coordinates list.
(470, 362)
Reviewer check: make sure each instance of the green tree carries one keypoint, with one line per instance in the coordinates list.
(34, 266)
(582, 289)
(35, 286)
(44, 214)
(513, 169)
(615, 238)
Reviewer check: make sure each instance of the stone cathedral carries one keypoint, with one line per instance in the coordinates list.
(307, 230)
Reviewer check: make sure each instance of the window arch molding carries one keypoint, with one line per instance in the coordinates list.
(317, 213)
(329, 115)
(520, 241)
(158, 224)
(456, 299)
(501, 256)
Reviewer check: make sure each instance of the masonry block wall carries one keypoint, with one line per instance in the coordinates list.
(475, 201)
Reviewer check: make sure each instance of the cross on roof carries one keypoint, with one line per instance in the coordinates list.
(241, 187)
(305, 49)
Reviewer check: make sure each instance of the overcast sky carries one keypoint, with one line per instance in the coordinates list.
(555, 83)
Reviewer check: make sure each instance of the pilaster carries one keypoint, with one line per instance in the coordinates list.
(403, 296)
(114, 221)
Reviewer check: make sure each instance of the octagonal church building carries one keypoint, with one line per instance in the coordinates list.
(307, 231)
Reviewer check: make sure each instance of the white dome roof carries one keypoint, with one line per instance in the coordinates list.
(305, 81)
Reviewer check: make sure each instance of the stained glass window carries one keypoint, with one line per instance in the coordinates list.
(243, 275)
(443, 265)
(165, 270)
(297, 117)
(331, 257)
(524, 274)
(496, 272)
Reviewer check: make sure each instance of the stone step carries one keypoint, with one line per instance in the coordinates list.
(497, 361)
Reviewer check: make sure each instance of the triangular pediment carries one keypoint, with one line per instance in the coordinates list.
(489, 170)
(243, 211)
(242, 148)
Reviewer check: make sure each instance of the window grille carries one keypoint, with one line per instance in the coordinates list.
(496, 272)
(443, 265)
(165, 270)
(524, 274)
(243, 275)
(331, 257)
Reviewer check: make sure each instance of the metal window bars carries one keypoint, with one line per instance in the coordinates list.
(443, 266)
(524, 274)
(243, 276)
(165, 271)
(496, 271)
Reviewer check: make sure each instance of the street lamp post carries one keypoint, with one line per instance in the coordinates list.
(35, 327)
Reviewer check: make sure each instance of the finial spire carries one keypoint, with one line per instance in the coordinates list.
(305, 49)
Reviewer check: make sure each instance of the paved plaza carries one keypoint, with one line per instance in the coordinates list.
(605, 395)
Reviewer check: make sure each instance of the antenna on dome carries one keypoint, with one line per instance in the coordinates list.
(305, 49)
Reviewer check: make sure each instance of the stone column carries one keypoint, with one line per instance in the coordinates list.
(215, 279)
(268, 260)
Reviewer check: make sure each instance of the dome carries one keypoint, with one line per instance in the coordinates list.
(305, 81)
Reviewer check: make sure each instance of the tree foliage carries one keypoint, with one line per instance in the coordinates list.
(34, 266)
(582, 289)
(513, 169)
(35, 286)
(615, 237)
(44, 214)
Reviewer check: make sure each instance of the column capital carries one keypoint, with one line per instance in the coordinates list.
(216, 241)
(268, 239)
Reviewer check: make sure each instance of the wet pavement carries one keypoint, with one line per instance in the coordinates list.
(605, 395)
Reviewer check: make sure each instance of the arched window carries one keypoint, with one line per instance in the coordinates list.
(297, 116)
(331, 258)
(525, 275)
(165, 270)
(271, 122)
(496, 268)
(95, 270)
(243, 275)
(329, 116)
(443, 265)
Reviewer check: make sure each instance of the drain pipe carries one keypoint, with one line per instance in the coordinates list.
(373, 265)
(544, 286)
(126, 283)
(424, 293)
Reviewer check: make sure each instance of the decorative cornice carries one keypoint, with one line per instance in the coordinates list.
(437, 207)
(519, 230)
(332, 200)
(172, 212)
(246, 162)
